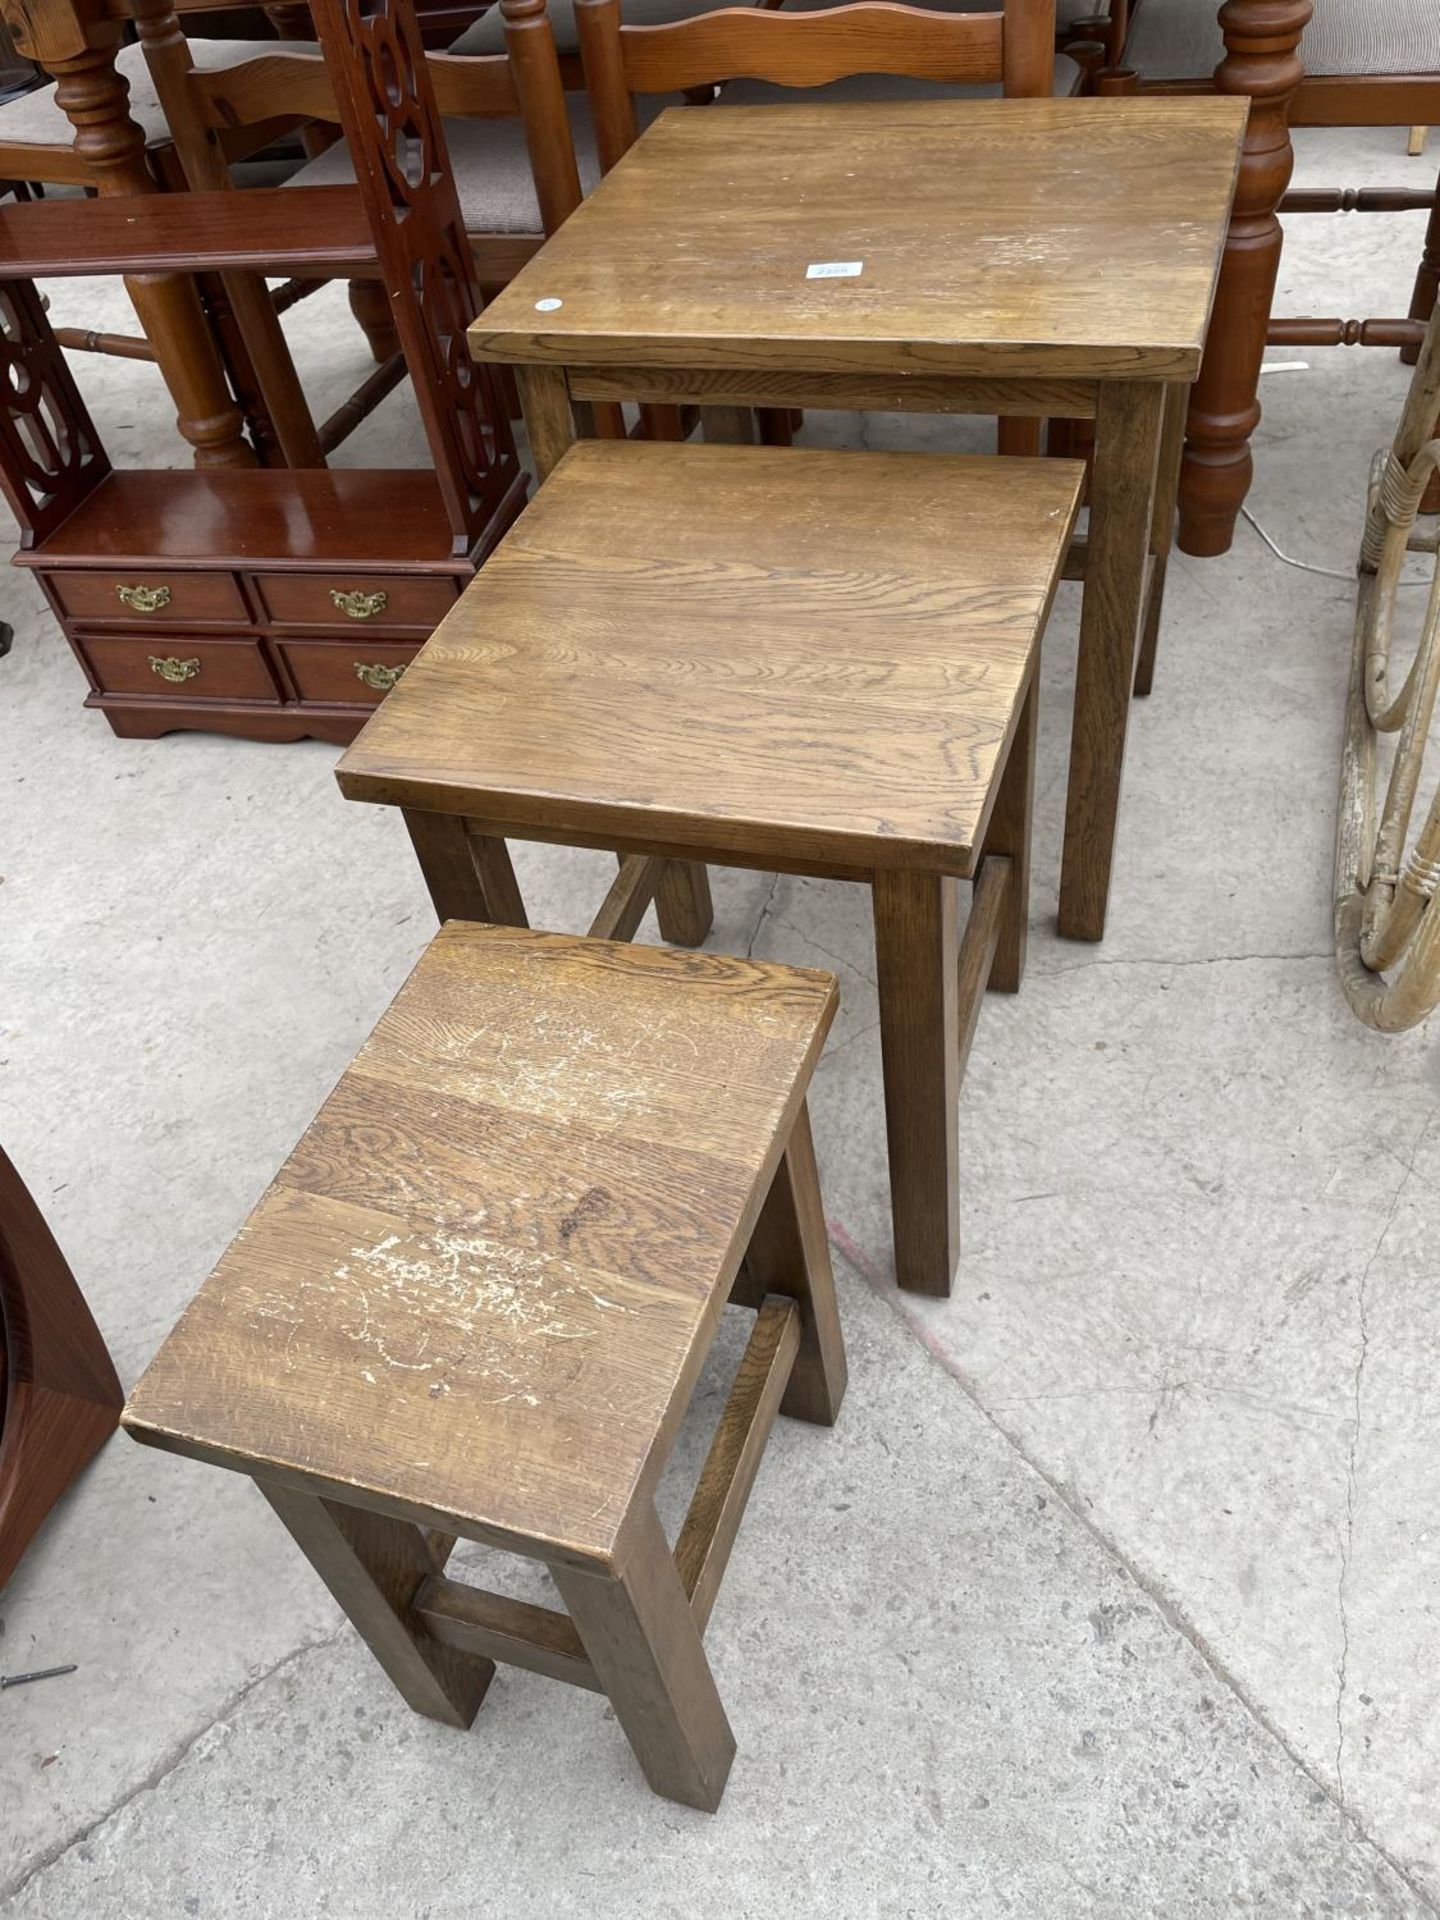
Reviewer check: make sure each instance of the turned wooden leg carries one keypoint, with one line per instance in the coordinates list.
(646, 1650)
(1261, 60)
(95, 100)
(1162, 530)
(1009, 835)
(1122, 491)
(374, 1566)
(916, 951)
(1427, 280)
(370, 305)
(789, 1253)
(468, 874)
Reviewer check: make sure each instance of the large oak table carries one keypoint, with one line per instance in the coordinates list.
(1022, 258)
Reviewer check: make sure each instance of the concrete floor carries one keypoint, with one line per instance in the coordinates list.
(1115, 1590)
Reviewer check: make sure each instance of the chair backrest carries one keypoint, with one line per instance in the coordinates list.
(1012, 44)
(374, 77)
(219, 114)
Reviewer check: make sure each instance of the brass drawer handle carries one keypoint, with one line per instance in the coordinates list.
(170, 667)
(143, 599)
(360, 606)
(381, 678)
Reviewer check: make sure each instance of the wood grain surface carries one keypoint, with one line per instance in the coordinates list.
(1007, 237)
(760, 652)
(480, 1289)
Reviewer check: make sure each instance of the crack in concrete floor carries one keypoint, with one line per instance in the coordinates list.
(867, 1270)
(169, 1763)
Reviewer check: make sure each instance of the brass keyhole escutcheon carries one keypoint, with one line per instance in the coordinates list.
(358, 605)
(170, 667)
(381, 678)
(143, 599)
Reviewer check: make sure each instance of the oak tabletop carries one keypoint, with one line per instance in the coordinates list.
(484, 1282)
(1075, 238)
(752, 652)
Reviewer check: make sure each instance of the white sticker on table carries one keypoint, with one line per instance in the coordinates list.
(548, 306)
(834, 269)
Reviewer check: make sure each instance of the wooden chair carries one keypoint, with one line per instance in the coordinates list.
(522, 159)
(1371, 64)
(812, 48)
(476, 1300)
(271, 603)
(59, 1397)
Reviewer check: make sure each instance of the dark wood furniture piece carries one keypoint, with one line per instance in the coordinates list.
(1301, 63)
(270, 603)
(87, 132)
(792, 660)
(476, 1300)
(516, 167)
(59, 1397)
(1100, 312)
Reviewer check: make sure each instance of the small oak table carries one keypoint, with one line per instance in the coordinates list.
(1026, 258)
(765, 657)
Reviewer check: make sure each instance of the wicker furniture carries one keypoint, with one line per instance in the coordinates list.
(1387, 916)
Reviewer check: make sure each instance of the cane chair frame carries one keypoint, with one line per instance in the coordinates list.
(1387, 917)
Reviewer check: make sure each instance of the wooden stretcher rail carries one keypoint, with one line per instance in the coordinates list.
(978, 943)
(718, 1504)
(848, 392)
(631, 892)
(496, 1628)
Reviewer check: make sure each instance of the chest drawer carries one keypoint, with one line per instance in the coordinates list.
(343, 600)
(340, 673)
(180, 667)
(147, 598)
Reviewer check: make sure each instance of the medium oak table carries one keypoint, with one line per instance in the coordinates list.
(1023, 258)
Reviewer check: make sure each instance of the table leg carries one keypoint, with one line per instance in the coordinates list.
(549, 421)
(917, 953)
(1162, 529)
(1122, 491)
(468, 874)
(375, 1566)
(789, 1253)
(643, 1643)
